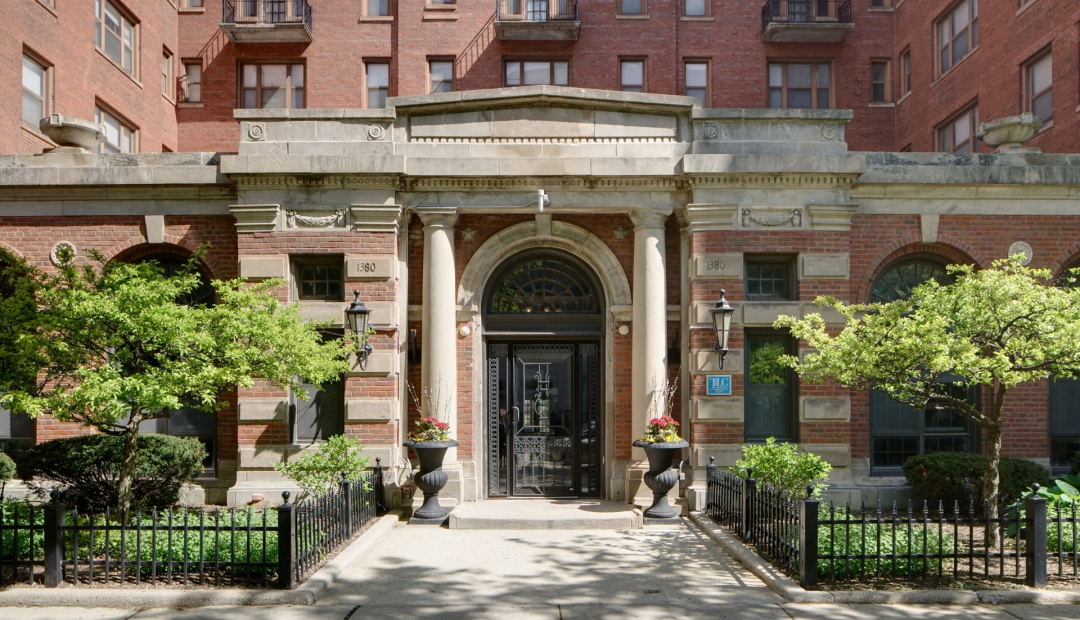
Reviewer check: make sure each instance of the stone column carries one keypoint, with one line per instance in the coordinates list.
(438, 373)
(649, 369)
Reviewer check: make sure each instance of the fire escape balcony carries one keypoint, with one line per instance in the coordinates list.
(806, 21)
(537, 20)
(266, 21)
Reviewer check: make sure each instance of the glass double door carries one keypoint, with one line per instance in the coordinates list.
(543, 420)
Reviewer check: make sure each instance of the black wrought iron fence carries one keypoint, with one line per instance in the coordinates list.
(207, 547)
(805, 12)
(818, 542)
(266, 12)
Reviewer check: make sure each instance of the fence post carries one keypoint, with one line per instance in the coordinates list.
(710, 490)
(808, 540)
(1035, 557)
(346, 505)
(378, 488)
(749, 488)
(55, 513)
(286, 543)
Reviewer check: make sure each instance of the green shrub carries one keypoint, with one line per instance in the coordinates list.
(7, 467)
(319, 471)
(783, 466)
(87, 467)
(20, 545)
(958, 476)
(872, 539)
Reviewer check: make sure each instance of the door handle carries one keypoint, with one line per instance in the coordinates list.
(517, 415)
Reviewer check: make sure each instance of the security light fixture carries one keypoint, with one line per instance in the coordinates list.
(358, 315)
(721, 317)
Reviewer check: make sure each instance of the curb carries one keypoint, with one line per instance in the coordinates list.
(117, 596)
(782, 584)
(794, 593)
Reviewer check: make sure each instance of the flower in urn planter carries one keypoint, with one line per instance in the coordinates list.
(661, 429)
(430, 429)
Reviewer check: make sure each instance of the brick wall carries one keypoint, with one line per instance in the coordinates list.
(992, 74)
(64, 38)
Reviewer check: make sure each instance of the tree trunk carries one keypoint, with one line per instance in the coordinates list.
(991, 478)
(127, 467)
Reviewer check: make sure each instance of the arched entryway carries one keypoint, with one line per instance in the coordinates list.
(543, 316)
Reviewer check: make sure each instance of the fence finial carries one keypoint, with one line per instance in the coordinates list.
(378, 461)
(809, 491)
(712, 459)
(285, 496)
(344, 476)
(1035, 487)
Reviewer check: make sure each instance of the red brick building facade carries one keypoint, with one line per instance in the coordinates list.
(883, 61)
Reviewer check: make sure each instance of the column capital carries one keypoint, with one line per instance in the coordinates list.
(650, 217)
(437, 217)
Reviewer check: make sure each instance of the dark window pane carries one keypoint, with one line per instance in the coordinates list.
(320, 416)
(892, 452)
(800, 99)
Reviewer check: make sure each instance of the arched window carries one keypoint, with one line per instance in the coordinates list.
(187, 421)
(543, 291)
(1065, 408)
(899, 431)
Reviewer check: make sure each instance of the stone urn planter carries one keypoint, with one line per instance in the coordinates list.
(661, 477)
(72, 134)
(1008, 134)
(431, 478)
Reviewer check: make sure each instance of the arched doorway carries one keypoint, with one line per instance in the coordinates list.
(544, 324)
(898, 431)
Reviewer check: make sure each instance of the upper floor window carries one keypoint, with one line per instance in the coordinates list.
(378, 8)
(696, 8)
(536, 72)
(800, 86)
(880, 84)
(958, 134)
(880, 4)
(191, 88)
(116, 35)
(442, 76)
(120, 137)
(267, 85)
(167, 74)
(1039, 87)
(697, 81)
(378, 84)
(632, 76)
(632, 7)
(905, 72)
(957, 34)
(36, 98)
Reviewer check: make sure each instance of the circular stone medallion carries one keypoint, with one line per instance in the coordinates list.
(1021, 247)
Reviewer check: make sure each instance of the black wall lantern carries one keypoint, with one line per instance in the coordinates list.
(358, 315)
(721, 318)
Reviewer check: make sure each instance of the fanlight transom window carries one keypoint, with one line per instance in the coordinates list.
(898, 281)
(543, 285)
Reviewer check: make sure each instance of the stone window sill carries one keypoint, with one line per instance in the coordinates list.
(49, 7)
(953, 68)
(881, 9)
(194, 10)
(378, 19)
(904, 98)
(1047, 125)
(633, 17)
(190, 104)
(121, 69)
(27, 127)
(1025, 7)
(706, 18)
(440, 7)
(882, 104)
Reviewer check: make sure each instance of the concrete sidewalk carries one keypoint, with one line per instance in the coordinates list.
(665, 573)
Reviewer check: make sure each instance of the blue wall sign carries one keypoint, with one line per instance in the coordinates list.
(718, 385)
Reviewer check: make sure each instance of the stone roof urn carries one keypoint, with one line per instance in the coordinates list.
(73, 135)
(1008, 134)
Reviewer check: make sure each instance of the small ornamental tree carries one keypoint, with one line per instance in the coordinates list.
(996, 327)
(110, 346)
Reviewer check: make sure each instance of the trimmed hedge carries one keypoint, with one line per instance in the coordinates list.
(7, 467)
(958, 476)
(86, 469)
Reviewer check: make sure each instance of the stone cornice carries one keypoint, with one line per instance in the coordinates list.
(331, 181)
(793, 180)
(435, 184)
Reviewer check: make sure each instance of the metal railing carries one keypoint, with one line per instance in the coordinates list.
(805, 12)
(217, 547)
(815, 542)
(536, 10)
(266, 12)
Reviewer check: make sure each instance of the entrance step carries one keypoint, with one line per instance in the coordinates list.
(543, 514)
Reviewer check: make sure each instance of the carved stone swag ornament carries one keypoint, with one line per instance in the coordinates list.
(296, 220)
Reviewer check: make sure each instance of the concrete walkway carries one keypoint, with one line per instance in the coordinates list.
(657, 573)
